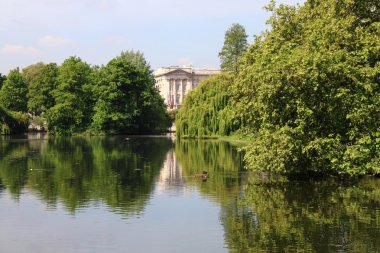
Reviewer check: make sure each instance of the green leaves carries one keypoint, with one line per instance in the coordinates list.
(12, 122)
(75, 97)
(13, 92)
(42, 80)
(235, 44)
(307, 91)
(205, 111)
(127, 100)
(313, 75)
(72, 111)
(2, 80)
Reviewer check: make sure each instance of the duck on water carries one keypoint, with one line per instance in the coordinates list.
(203, 175)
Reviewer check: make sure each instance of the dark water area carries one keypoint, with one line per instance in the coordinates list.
(130, 194)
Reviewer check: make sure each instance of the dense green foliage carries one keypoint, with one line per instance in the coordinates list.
(135, 58)
(308, 90)
(235, 44)
(73, 110)
(2, 80)
(13, 92)
(12, 122)
(127, 100)
(74, 98)
(42, 80)
(204, 111)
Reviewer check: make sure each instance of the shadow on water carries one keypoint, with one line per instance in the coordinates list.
(78, 171)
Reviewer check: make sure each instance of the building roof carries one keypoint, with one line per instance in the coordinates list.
(166, 70)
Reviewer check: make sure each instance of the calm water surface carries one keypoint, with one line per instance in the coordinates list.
(114, 194)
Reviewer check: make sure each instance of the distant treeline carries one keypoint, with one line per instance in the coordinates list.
(119, 98)
(306, 93)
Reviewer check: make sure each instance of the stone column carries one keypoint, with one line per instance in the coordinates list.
(170, 93)
(169, 89)
(183, 85)
(188, 86)
(175, 93)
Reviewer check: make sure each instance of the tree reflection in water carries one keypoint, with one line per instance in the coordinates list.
(78, 171)
(273, 214)
(276, 215)
(259, 213)
(220, 159)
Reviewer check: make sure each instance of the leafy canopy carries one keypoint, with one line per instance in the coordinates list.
(42, 80)
(308, 90)
(204, 111)
(2, 80)
(73, 110)
(128, 101)
(13, 92)
(235, 44)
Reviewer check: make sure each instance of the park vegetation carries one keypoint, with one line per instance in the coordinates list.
(12, 103)
(76, 98)
(306, 93)
(204, 112)
(235, 44)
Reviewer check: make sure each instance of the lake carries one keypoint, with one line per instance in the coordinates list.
(140, 194)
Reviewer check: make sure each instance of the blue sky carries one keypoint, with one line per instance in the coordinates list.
(168, 32)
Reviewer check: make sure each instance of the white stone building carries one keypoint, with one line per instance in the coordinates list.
(175, 82)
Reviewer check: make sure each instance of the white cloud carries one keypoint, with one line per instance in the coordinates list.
(54, 41)
(19, 50)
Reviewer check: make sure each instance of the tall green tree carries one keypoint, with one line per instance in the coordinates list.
(127, 100)
(73, 109)
(135, 58)
(308, 90)
(30, 72)
(42, 80)
(235, 44)
(13, 92)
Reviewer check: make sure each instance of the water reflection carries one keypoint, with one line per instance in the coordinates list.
(221, 160)
(274, 215)
(152, 179)
(170, 178)
(79, 171)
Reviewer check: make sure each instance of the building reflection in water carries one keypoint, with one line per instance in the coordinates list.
(170, 178)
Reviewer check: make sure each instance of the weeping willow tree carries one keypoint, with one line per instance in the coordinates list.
(205, 111)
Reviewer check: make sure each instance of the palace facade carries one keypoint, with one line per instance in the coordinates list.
(175, 82)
